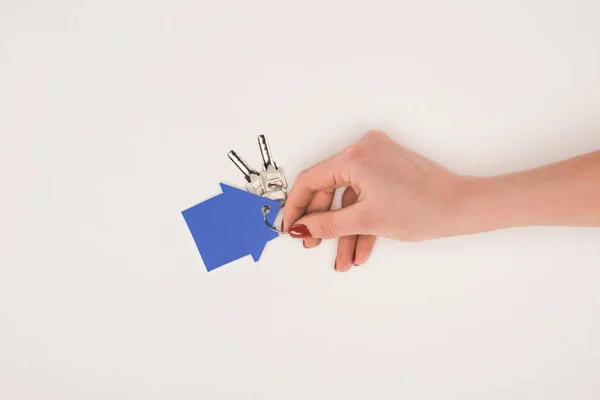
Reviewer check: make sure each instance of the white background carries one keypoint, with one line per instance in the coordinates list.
(116, 115)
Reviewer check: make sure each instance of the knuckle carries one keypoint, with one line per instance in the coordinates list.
(303, 174)
(354, 152)
(375, 134)
(327, 229)
(369, 221)
(365, 222)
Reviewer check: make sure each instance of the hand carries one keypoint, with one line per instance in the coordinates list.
(390, 191)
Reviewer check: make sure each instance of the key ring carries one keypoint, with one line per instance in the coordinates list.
(266, 209)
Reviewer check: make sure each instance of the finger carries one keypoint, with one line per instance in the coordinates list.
(347, 221)
(345, 253)
(364, 248)
(320, 202)
(326, 175)
(346, 244)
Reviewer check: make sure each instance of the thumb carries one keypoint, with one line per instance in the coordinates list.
(346, 221)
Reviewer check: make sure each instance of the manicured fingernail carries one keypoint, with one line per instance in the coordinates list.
(299, 232)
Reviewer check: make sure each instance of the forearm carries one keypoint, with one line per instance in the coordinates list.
(566, 193)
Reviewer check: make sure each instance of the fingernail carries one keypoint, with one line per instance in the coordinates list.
(354, 259)
(335, 265)
(299, 232)
(304, 244)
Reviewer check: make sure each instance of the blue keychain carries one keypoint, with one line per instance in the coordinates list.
(237, 223)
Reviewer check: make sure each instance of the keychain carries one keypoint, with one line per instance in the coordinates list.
(237, 223)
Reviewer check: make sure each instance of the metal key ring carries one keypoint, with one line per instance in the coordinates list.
(266, 209)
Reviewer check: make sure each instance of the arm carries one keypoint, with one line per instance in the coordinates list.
(566, 193)
(394, 192)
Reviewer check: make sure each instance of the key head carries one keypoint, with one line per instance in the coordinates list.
(255, 185)
(274, 183)
(273, 179)
(277, 195)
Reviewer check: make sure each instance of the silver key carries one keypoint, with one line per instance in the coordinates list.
(255, 183)
(273, 177)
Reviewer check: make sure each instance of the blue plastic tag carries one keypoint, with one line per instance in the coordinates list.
(230, 226)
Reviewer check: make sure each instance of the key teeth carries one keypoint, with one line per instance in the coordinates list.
(253, 188)
(242, 165)
(265, 152)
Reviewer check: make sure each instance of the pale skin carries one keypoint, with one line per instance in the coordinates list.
(396, 193)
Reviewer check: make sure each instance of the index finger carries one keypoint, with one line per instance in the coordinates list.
(326, 175)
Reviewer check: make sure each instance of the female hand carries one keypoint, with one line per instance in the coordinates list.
(390, 191)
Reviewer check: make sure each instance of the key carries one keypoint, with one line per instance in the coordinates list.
(255, 183)
(273, 178)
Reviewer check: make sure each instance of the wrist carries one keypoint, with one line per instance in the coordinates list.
(491, 203)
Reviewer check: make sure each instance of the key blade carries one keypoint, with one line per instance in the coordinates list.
(242, 165)
(265, 152)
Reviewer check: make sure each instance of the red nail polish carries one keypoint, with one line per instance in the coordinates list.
(299, 232)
